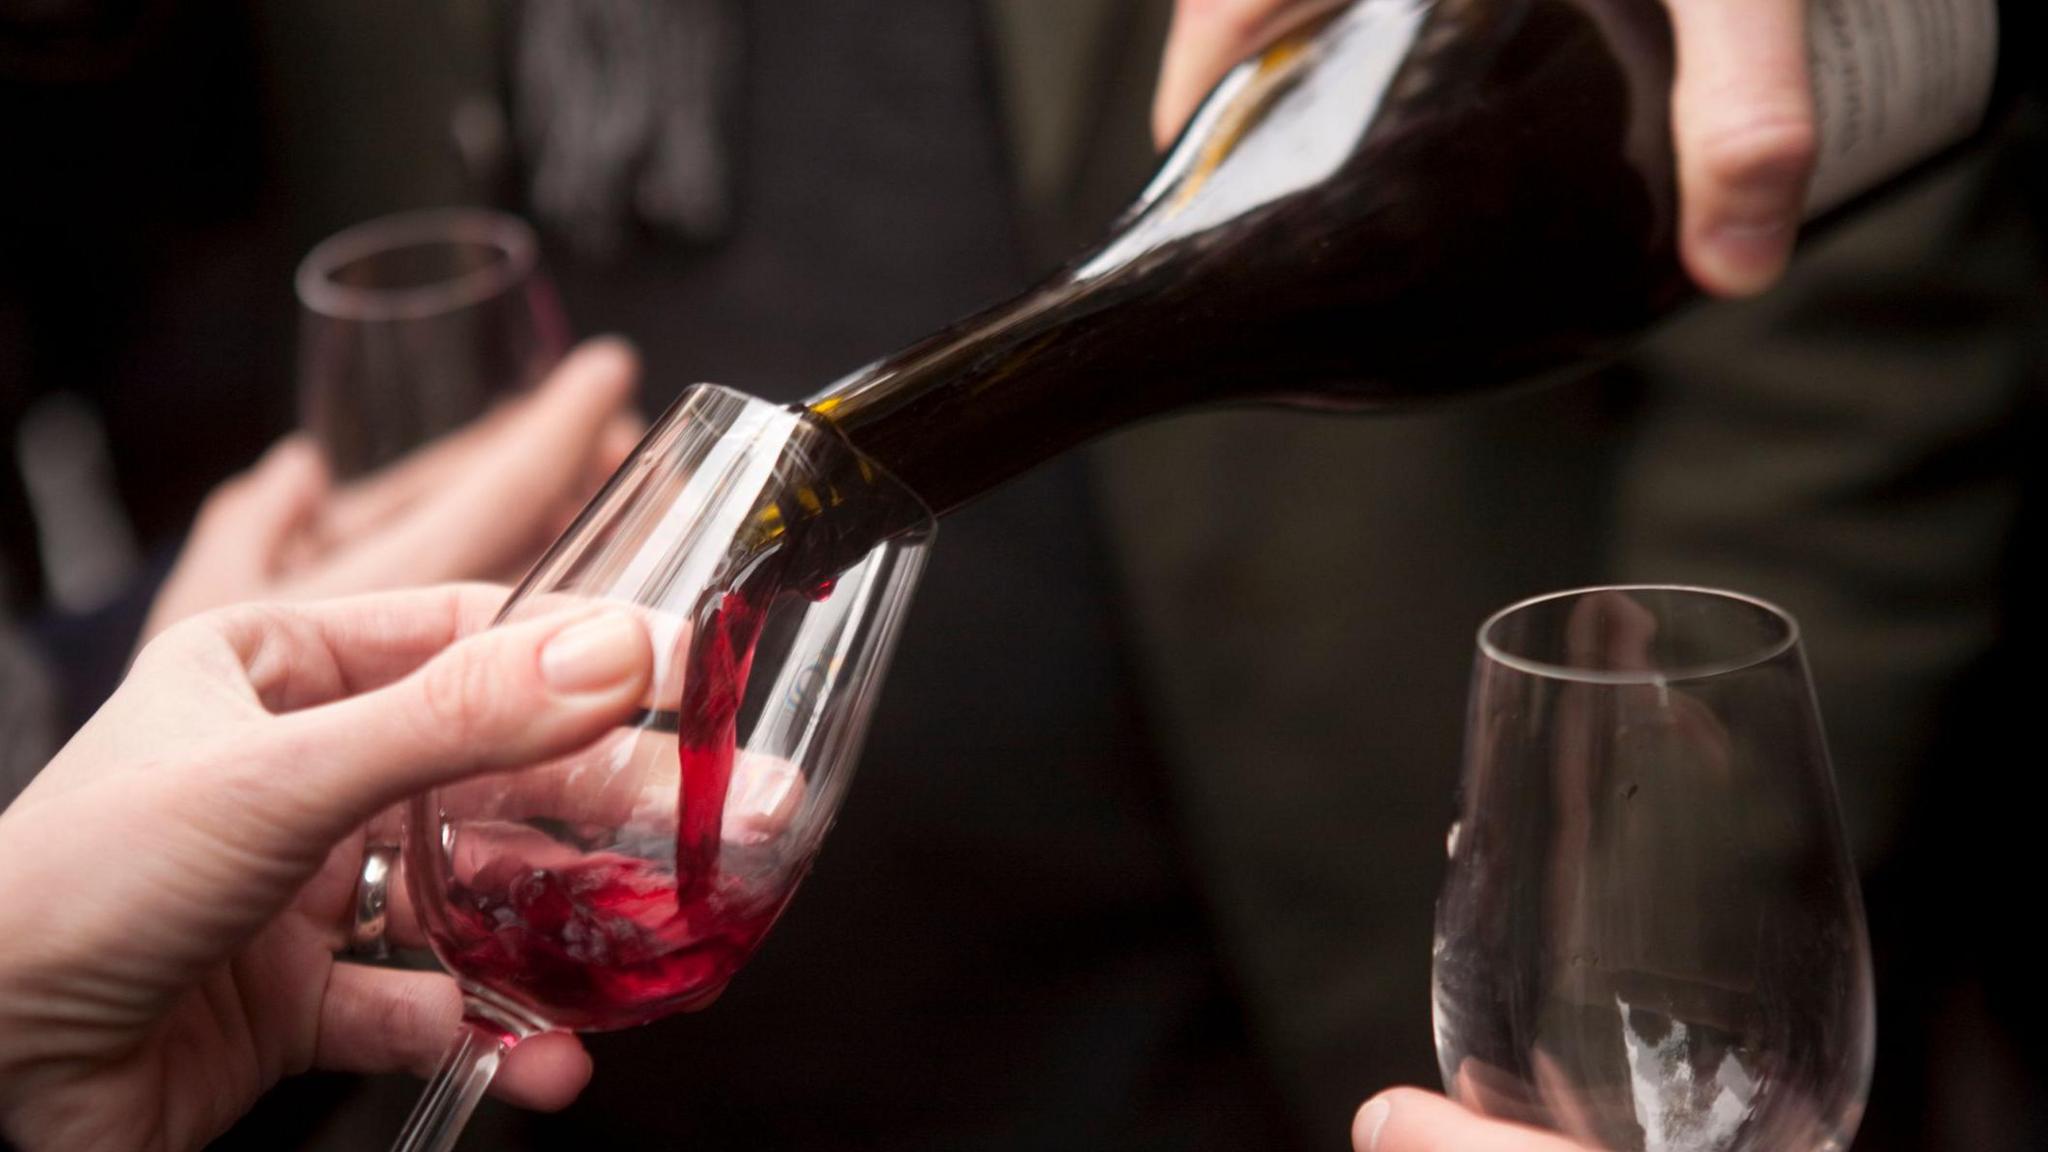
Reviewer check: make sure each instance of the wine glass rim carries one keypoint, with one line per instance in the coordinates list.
(1762, 654)
(513, 238)
(928, 520)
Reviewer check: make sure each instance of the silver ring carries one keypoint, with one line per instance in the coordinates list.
(368, 937)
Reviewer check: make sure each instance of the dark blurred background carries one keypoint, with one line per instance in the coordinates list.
(1147, 836)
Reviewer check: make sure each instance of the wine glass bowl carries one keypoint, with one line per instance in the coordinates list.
(771, 566)
(1650, 937)
(411, 325)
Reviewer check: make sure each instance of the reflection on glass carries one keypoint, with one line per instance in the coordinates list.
(1650, 938)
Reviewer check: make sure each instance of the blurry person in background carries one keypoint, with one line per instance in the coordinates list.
(1146, 836)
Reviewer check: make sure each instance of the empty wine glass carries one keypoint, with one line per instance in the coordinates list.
(412, 325)
(771, 565)
(1651, 937)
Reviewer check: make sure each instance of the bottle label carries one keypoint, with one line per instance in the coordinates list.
(1895, 81)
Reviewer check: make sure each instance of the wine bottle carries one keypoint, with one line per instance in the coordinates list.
(1399, 201)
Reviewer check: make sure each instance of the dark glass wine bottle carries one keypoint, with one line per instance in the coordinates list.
(1399, 201)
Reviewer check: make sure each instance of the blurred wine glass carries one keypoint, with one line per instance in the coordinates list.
(1651, 938)
(412, 325)
(771, 565)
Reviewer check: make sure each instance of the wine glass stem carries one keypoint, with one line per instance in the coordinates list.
(465, 1074)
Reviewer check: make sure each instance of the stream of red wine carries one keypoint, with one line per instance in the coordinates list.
(721, 655)
(607, 940)
(612, 940)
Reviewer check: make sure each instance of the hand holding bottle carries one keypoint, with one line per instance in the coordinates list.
(1742, 118)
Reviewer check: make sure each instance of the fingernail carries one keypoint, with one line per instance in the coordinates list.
(593, 654)
(297, 453)
(1745, 257)
(1371, 1121)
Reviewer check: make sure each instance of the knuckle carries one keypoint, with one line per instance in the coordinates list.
(164, 648)
(458, 694)
(238, 630)
(414, 1020)
(225, 503)
(1772, 146)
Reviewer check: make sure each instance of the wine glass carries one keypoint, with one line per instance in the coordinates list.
(1651, 937)
(412, 325)
(771, 564)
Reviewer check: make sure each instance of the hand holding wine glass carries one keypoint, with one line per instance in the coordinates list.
(184, 865)
(476, 504)
(1742, 117)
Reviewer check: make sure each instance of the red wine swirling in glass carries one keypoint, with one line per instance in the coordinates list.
(629, 881)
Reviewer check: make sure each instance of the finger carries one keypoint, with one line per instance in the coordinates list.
(372, 501)
(1411, 1120)
(1611, 632)
(1743, 119)
(301, 655)
(610, 786)
(266, 503)
(486, 518)
(620, 437)
(243, 531)
(380, 1020)
(763, 799)
(510, 697)
(1208, 38)
(544, 1073)
(614, 446)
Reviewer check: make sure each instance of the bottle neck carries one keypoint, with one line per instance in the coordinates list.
(1395, 203)
(968, 408)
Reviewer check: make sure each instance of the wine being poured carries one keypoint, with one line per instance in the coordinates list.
(1409, 199)
(611, 939)
(633, 878)
(1403, 201)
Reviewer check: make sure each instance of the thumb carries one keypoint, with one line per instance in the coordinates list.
(1208, 38)
(506, 698)
(1743, 116)
(1411, 1120)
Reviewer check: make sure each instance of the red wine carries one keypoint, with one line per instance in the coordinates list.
(721, 654)
(600, 934)
(1408, 200)
(609, 941)
(603, 943)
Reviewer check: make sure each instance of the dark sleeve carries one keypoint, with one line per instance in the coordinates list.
(2023, 44)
